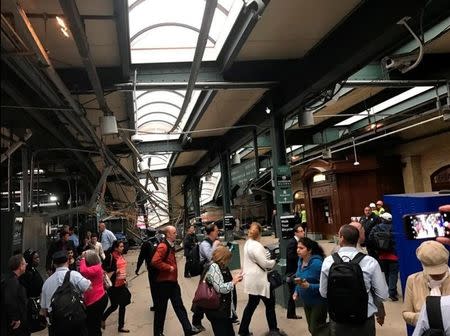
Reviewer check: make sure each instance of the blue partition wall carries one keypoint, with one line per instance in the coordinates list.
(406, 204)
(403, 204)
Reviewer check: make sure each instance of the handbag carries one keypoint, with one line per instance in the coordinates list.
(206, 296)
(37, 322)
(274, 279)
(107, 283)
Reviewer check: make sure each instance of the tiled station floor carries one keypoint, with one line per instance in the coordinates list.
(139, 319)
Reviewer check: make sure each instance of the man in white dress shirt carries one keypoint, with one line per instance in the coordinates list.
(374, 281)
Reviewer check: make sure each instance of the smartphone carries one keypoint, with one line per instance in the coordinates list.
(427, 225)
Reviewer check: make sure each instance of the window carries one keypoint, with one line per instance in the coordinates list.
(167, 30)
(209, 188)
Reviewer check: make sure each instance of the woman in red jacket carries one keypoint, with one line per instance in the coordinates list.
(95, 298)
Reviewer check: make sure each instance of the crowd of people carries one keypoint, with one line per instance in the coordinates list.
(342, 293)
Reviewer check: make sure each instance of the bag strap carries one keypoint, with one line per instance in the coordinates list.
(337, 258)
(357, 258)
(433, 306)
(67, 277)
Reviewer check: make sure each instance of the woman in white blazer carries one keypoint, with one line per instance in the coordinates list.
(256, 284)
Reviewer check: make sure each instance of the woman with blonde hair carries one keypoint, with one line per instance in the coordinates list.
(219, 276)
(256, 284)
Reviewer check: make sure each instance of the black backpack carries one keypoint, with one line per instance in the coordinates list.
(67, 305)
(434, 313)
(196, 267)
(347, 294)
(382, 238)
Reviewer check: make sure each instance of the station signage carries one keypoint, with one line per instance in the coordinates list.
(229, 222)
(287, 226)
(283, 186)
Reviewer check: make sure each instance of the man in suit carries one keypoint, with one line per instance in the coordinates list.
(291, 267)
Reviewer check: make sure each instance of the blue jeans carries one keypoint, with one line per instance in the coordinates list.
(390, 270)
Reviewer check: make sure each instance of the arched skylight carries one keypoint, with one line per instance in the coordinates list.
(209, 188)
(167, 30)
(157, 112)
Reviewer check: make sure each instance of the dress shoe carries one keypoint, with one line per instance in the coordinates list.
(199, 327)
(122, 330)
(249, 334)
(294, 317)
(152, 308)
(193, 331)
(393, 298)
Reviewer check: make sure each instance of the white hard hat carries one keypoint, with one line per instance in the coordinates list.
(386, 216)
(372, 205)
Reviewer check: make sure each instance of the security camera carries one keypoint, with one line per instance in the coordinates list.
(400, 62)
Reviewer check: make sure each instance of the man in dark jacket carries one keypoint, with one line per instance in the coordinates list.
(368, 221)
(148, 248)
(62, 244)
(167, 287)
(14, 300)
(291, 267)
(188, 244)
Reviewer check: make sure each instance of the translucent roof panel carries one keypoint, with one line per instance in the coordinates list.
(157, 112)
(158, 161)
(167, 30)
(209, 188)
(157, 214)
(385, 105)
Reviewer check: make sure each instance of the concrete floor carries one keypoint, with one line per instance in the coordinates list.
(139, 319)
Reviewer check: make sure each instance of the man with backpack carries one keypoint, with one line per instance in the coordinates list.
(61, 299)
(384, 244)
(167, 287)
(148, 249)
(351, 281)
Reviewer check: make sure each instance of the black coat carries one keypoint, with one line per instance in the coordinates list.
(188, 243)
(291, 256)
(14, 306)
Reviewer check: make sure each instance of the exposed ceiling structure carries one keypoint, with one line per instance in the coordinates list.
(186, 83)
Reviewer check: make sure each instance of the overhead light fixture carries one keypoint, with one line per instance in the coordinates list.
(108, 125)
(250, 191)
(326, 153)
(53, 198)
(305, 118)
(63, 26)
(143, 166)
(236, 159)
(268, 110)
(356, 163)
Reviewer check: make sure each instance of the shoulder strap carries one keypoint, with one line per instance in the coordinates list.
(336, 258)
(67, 277)
(358, 257)
(433, 306)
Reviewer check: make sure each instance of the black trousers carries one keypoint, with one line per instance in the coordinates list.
(151, 283)
(253, 301)
(221, 326)
(169, 291)
(113, 308)
(54, 330)
(94, 316)
(291, 302)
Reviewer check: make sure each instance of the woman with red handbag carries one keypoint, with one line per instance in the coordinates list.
(219, 277)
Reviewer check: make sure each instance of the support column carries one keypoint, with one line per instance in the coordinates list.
(225, 172)
(279, 160)
(255, 148)
(24, 182)
(195, 192)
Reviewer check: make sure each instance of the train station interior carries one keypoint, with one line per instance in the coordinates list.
(145, 113)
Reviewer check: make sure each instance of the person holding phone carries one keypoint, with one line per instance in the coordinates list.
(433, 280)
(311, 256)
(445, 209)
